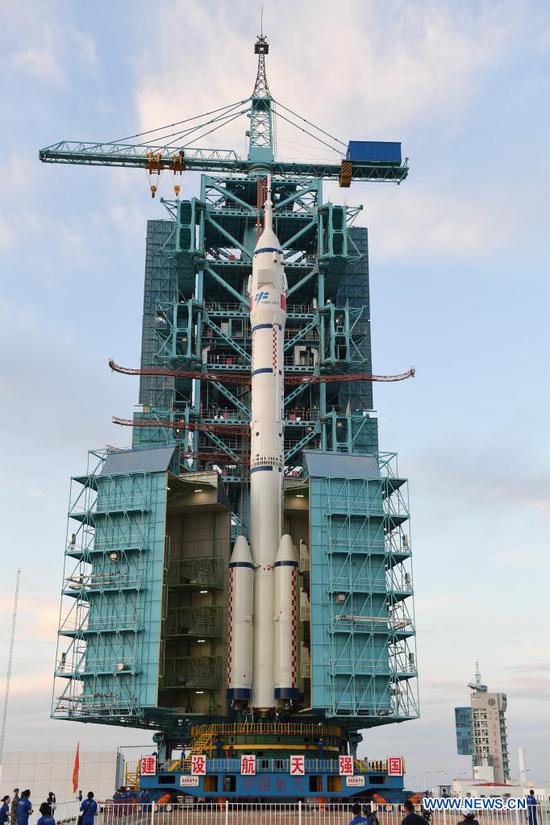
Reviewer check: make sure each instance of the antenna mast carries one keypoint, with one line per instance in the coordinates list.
(10, 663)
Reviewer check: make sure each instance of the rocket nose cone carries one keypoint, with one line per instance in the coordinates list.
(286, 551)
(241, 551)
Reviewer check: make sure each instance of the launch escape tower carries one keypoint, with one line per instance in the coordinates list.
(143, 634)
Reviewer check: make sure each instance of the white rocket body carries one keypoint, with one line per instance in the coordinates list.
(267, 292)
(285, 619)
(241, 605)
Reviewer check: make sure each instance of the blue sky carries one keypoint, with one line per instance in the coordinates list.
(459, 277)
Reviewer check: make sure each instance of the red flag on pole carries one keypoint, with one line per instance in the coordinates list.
(76, 768)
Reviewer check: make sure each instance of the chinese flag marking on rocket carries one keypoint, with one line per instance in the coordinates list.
(76, 768)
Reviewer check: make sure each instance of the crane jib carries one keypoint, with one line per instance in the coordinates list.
(208, 160)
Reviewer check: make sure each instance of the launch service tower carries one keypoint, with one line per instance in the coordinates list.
(238, 581)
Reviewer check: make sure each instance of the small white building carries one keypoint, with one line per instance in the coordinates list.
(478, 788)
(42, 772)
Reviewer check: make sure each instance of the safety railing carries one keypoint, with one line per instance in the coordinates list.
(192, 673)
(196, 572)
(267, 728)
(194, 621)
(190, 811)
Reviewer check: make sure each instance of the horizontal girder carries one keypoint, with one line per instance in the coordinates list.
(206, 160)
(244, 377)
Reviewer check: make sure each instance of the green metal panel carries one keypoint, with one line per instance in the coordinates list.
(363, 662)
(112, 591)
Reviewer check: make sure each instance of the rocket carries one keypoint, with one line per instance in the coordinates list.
(262, 643)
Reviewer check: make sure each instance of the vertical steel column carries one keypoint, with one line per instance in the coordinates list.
(322, 387)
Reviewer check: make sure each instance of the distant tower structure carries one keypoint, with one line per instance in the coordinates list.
(523, 778)
(9, 668)
(476, 684)
(481, 732)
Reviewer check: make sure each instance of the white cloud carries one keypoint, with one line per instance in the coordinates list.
(383, 70)
(382, 67)
(39, 62)
(436, 223)
(53, 44)
(5, 234)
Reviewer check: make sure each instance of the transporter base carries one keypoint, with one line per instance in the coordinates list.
(282, 761)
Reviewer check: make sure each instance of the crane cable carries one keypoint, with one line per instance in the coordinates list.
(315, 137)
(309, 123)
(179, 122)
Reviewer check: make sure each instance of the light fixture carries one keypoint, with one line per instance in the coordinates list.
(299, 495)
(198, 692)
(198, 490)
(203, 592)
(201, 641)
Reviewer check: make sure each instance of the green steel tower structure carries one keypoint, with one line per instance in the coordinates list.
(143, 633)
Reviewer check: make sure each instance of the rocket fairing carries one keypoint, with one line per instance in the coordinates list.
(267, 289)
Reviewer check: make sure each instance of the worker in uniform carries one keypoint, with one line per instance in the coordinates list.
(13, 808)
(46, 817)
(358, 818)
(88, 809)
(411, 818)
(4, 810)
(51, 800)
(24, 808)
(531, 808)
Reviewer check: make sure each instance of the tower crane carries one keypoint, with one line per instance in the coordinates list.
(173, 148)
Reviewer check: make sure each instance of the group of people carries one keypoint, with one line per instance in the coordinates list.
(17, 809)
(411, 818)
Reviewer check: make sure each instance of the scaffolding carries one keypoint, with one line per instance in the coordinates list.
(196, 318)
(107, 634)
(360, 583)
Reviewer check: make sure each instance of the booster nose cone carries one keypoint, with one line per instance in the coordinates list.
(241, 551)
(286, 551)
